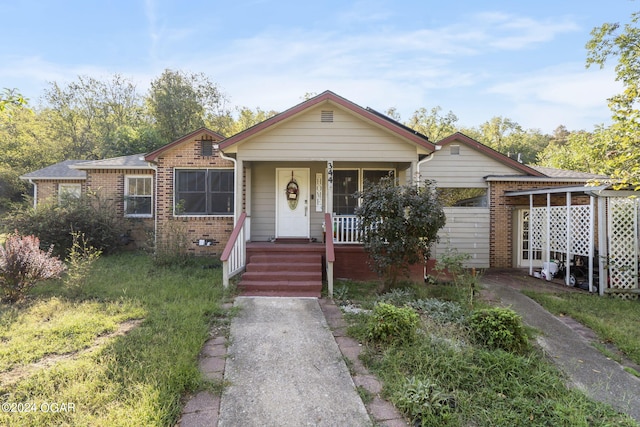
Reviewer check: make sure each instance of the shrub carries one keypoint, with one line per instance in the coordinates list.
(499, 328)
(389, 324)
(424, 401)
(398, 225)
(440, 311)
(54, 223)
(398, 297)
(80, 259)
(23, 264)
(171, 245)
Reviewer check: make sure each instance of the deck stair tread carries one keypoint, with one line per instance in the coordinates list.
(283, 270)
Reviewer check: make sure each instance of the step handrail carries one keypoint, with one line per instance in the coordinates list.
(234, 254)
(330, 253)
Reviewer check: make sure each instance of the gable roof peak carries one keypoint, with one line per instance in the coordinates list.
(366, 113)
(490, 152)
(153, 156)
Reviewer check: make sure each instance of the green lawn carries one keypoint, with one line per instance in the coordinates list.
(444, 379)
(614, 320)
(69, 349)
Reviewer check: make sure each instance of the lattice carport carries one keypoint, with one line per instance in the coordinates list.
(596, 223)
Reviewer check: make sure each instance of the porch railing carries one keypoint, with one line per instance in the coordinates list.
(345, 229)
(235, 252)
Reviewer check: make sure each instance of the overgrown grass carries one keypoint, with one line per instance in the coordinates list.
(442, 378)
(613, 320)
(132, 379)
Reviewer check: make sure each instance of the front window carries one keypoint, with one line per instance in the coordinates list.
(204, 192)
(69, 191)
(346, 182)
(138, 196)
(463, 197)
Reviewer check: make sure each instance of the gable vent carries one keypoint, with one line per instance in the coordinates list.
(326, 116)
(206, 148)
(455, 150)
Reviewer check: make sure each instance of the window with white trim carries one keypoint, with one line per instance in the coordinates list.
(138, 196)
(69, 191)
(346, 182)
(204, 192)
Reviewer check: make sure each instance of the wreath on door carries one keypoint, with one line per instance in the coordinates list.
(292, 192)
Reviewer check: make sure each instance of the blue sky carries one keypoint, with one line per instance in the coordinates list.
(524, 60)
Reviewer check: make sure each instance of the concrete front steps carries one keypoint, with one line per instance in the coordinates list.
(291, 270)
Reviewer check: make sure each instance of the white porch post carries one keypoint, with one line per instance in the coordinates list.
(329, 201)
(591, 239)
(547, 255)
(567, 275)
(602, 243)
(530, 241)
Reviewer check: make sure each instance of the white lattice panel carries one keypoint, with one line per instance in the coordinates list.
(558, 229)
(580, 230)
(623, 243)
(538, 228)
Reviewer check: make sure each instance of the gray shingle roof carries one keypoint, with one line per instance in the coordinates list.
(563, 173)
(59, 171)
(134, 161)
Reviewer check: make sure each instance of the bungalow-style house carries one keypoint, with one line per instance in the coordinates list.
(275, 200)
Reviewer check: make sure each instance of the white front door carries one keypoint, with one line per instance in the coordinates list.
(292, 202)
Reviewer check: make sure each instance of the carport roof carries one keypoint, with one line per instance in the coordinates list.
(554, 190)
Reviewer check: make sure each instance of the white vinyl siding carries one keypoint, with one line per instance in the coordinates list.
(467, 231)
(466, 169)
(347, 138)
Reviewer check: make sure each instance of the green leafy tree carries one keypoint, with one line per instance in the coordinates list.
(181, 102)
(398, 225)
(621, 43)
(432, 123)
(509, 138)
(11, 98)
(579, 151)
(95, 119)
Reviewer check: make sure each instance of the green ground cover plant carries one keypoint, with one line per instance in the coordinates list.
(614, 320)
(444, 377)
(110, 376)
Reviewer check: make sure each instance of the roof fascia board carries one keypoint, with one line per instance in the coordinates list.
(51, 178)
(525, 178)
(556, 190)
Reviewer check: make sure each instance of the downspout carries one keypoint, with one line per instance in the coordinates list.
(155, 204)
(425, 160)
(35, 193)
(418, 176)
(236, 179)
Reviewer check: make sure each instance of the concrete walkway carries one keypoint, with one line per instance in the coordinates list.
(286, 365)
(285, 369)
(587, 369)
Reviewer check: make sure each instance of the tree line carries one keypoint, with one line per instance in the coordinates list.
(91, 118)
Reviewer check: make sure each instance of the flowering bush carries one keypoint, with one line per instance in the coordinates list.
(23, 264)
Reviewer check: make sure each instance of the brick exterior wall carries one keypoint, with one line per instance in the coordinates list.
(47, 190)
(109, 186)
(502, 228)
(215, 229)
